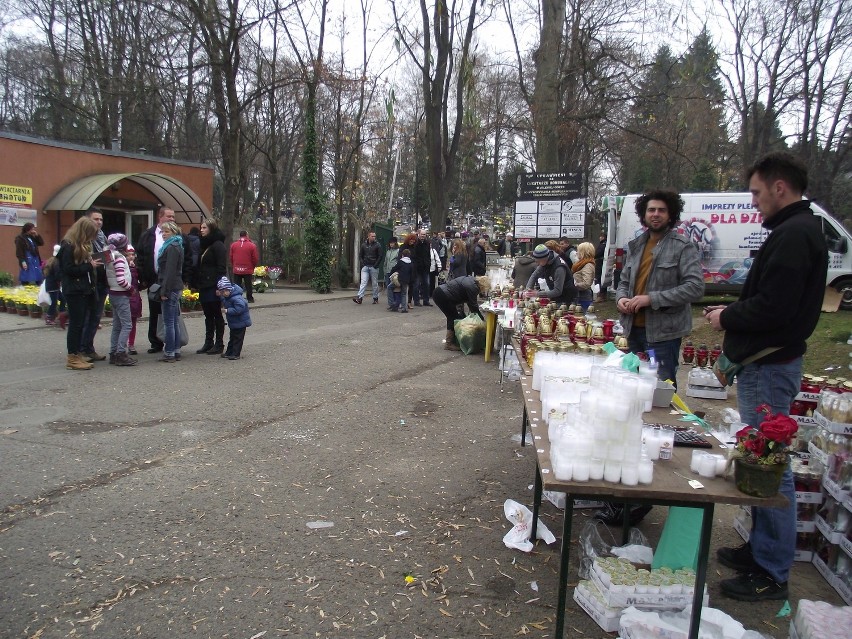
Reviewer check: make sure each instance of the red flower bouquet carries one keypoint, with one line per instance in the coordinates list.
(769, 443)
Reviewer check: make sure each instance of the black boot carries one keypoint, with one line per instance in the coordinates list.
(208, 344)
(216, 350)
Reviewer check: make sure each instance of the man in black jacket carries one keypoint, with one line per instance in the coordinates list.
(778, 309)
(370, 256)
(146, 258)
(422, 262)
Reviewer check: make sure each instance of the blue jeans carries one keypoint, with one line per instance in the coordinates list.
(369, 273)
(121, 323)
(171, 309)
(773, 531)
(666, 352)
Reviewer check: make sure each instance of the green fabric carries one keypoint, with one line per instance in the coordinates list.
(678, 545)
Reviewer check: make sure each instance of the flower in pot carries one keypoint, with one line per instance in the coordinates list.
(762, 453)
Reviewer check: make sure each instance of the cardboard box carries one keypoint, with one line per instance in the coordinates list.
(606, 618)
(706, 392)
(644, 601)
(827, 531)
(833, 580)
(834, 489)
(837, 428)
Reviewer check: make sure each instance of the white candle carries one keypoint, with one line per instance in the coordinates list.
(612, 471)
(596, 468)
(581, 470)
(695, 464)
(721, 462)
(630, 474)
(652, 447)
(646, 471)
(707, 466)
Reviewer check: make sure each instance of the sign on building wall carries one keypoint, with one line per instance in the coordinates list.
(15, 203)
(550, 205)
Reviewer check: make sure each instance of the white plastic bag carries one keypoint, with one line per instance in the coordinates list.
(592, 545)
(596, 289)
(519, 536)
(43, 298)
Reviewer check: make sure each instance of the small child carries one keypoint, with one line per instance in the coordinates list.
(135, 300)
(236, 313)
(120, 284)
(52, 283)
(404, 271)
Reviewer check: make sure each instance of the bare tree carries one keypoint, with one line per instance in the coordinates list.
(442, 51)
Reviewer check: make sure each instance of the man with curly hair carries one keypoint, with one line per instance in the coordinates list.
(661, 278)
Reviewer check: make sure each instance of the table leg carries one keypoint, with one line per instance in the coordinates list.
(536, 502)
(525, 422)
(490, 325)
(625, 523)
(564, 556)
(701, 569)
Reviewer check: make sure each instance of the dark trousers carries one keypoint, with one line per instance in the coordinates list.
(79, 306)
(214, 323)
(91, 321)
(56, 299)
(422, 287)
(244, 282)
(449, 307)
(235, 341)
(155, 309)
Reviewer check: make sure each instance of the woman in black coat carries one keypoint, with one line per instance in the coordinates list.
(212, 265)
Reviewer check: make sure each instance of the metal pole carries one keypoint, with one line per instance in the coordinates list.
(393, 183)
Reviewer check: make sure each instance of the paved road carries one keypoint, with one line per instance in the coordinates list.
(179, 500)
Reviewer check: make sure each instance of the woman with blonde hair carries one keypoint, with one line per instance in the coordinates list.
(79, 282)
(449, 298)
(584, 273)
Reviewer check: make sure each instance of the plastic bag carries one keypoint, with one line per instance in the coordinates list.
(470, 334)
(519, 536)
(596, 289)
(715, 624)
(592, 545)
(183, 334)
(43, 298)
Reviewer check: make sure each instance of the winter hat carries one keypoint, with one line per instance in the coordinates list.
(118, 241)
(540, 252)
(224, 284)
(56, 248)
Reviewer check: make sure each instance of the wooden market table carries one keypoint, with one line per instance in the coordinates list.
(669, 488)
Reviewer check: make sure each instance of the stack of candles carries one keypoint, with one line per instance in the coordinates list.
(598, 438)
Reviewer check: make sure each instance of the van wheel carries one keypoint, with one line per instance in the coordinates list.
(844, 287)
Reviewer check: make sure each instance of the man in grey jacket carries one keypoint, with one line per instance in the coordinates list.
(661, 278)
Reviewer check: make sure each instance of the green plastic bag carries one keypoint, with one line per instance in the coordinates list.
(678, 545)
(470, 334)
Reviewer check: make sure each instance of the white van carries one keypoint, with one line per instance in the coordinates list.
(727, 230)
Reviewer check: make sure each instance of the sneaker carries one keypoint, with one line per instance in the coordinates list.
(233, 357)
(155, 349)
(112, 358)
(93, 356)
(357, 300)
(177, 357)
(375, 300)
(167, 359)
(739, 558)
(132, 351)
(427, 304)
(753, 586)
(226, 355)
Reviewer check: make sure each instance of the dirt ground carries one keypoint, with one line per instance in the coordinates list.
(346, 478)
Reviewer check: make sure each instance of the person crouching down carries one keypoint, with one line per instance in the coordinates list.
(237, 315)
(461, 290)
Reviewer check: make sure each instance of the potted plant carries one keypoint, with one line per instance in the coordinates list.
(762, 454)
(35, 309)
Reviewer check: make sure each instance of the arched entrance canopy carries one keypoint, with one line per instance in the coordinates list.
(79, 195)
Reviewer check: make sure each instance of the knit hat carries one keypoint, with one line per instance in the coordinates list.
(56, 248)
(224, 284)
(118, 241)
(540, 252)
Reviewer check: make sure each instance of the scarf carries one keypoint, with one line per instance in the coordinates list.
(174, 239)
(581, 264)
